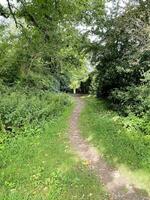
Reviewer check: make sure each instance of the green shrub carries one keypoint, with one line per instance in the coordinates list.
(40, 81)
(131, 99)
(24, 112)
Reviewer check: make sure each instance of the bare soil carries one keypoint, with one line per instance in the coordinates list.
(116, 184)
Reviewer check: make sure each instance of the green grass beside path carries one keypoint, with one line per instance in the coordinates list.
(129, 150)
(43, 167)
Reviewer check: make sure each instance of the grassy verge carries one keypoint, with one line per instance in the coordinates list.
(126, 149)
(42, 167)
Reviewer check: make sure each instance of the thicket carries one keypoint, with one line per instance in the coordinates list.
(121, 54)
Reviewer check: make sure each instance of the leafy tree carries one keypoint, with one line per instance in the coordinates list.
(121, 54)
(46, 42)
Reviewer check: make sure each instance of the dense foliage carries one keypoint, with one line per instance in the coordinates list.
(45, 49)
(121, 54)
(26, 113)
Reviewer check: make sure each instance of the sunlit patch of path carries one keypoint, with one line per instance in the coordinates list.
(116, 184)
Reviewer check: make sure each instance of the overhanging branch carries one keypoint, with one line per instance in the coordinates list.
(12, 13)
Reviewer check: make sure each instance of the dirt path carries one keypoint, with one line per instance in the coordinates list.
(116, 184)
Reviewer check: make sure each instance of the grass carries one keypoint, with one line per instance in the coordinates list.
(43, 167)
(129, 151)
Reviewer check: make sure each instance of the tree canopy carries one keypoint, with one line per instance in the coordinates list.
(53, 40)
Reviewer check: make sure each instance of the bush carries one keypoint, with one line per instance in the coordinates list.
(24, 112)
(40, 82)
(136, 124)
(131, 99)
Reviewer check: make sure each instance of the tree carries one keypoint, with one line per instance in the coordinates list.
(121, 53)
(47, 42)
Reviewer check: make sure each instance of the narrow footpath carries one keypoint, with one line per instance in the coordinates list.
(116, 184)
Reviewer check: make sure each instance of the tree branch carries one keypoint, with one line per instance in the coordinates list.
(12, 13)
